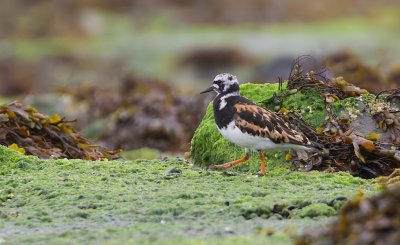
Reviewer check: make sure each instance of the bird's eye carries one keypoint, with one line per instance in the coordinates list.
(218, 82)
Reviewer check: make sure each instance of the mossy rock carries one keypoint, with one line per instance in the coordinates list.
(208, 147)
(314, 210)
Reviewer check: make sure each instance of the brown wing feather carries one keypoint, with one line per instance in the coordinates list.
(253, 119)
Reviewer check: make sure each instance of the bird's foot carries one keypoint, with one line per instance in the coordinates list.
(232, 164)
(261, 174)
(227, 165)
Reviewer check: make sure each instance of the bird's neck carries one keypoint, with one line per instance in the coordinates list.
(220, 101)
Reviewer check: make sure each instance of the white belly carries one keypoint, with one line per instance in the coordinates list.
(233, 134)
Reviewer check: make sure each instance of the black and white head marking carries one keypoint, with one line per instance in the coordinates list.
(226, 83)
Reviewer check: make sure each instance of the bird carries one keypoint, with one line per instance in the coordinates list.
(248, 125)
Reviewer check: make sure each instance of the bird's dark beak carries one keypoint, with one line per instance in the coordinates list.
(209, 89)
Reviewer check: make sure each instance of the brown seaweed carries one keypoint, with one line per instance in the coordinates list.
(374, 220)
(24, 128)
(344, 150)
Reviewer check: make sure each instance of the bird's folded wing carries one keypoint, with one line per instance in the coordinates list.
(256, 120)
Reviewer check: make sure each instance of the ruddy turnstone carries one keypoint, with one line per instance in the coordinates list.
(248, 125)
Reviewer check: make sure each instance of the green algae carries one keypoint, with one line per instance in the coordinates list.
(310, 105)
(351, 104)
(142, 153)
(315, 210)
(77, 201)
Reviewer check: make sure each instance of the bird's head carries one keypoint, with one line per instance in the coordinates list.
(224, 83)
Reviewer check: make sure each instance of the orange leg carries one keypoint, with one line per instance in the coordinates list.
(262, 158)
(233, 163)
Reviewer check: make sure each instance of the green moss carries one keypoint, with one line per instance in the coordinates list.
(259, 92)
(119, 201)
(310, 105)
(12, 161)
(315, 210)
(143, 153)
(9, 156)
(351, 104)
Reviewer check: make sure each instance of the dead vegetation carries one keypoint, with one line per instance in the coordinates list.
(372, 220)
(346, 149)
(25, 129)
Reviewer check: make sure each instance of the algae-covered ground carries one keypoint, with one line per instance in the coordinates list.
(161, 201)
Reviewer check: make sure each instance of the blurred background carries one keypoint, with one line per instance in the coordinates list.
(131, 71)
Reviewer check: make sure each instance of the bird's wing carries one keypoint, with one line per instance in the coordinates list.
(256, 120)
